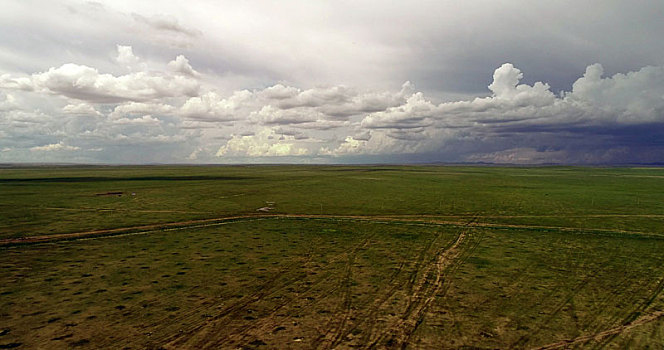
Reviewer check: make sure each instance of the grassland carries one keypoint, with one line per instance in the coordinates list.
(346, 257)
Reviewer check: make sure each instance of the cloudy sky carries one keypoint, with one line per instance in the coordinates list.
(578, 82)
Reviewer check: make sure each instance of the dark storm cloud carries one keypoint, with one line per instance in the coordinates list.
(554, 41)
(601, 120)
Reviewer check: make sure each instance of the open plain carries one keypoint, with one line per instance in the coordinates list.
(302, 257)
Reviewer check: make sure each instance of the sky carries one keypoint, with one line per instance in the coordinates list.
(513, 82)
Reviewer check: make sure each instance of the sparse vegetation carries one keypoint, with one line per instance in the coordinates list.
(382, 257)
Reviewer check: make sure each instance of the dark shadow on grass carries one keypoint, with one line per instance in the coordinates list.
(114, 179)
(365, 170)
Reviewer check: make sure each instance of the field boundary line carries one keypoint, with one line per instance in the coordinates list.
(123, 230)
(427, 220)
(378, 219)
(104, 210)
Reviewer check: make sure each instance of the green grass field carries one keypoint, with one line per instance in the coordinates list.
(417, 257)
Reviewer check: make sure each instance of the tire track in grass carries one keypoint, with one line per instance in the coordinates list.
(412, 279)
(278, 282)
(622, 287)
(563, 344)
(281, 280)
(265, 323)
(327, 340)
(566, 301)
(367, 320)
(474, 241)
(419, 289)
(600, 303)
(242, 332)
(370, 318)
(423, 293)
(336, 335)
(635, 313)
(192, 316)
(262, 323)
(333, 333)
(643, 306)
(595, 325)
(346, 304)
(524, 339)
(410, 283)
(206, 333)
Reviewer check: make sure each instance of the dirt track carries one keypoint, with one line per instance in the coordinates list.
(115, 231)
(422, 285)
(397, 331)
(219, 220)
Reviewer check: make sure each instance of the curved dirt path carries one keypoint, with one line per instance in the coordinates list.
(119, 231)
(427, 220)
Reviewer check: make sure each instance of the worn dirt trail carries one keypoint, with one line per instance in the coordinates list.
(399, 330)
(225, 219)
(117, 231)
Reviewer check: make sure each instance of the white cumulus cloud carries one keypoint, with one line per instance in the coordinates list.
(181, 65)
(126, 56)
(60, 146)
(263, 144)
(80, 109)
(212, 107)
(87, 84)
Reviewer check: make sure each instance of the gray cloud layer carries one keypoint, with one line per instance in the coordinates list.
(313, 82)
